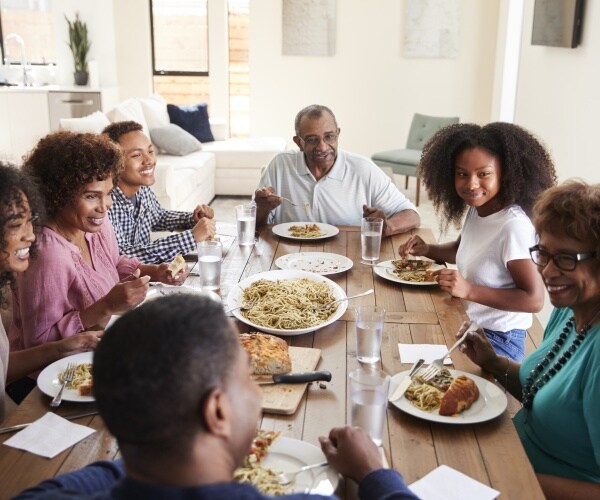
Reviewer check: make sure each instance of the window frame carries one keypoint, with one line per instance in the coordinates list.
(27, 63)
(156, 72)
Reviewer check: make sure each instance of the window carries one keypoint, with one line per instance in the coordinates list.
(27, 31)
(179, 37)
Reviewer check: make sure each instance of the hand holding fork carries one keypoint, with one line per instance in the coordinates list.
(436, 365)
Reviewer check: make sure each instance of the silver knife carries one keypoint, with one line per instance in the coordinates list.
(73, 416)
(406, 381)
(295, 378)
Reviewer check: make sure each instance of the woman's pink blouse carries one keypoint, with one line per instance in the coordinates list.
(48, 296)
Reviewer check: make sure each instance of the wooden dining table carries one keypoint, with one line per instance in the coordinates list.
(489, 452)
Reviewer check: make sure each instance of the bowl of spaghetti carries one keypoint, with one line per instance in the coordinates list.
(287, 302)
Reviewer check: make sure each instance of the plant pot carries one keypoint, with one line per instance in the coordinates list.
(81, 77)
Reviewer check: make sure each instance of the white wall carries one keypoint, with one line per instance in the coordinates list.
(371, 87)
(558, 96)
(98, 15)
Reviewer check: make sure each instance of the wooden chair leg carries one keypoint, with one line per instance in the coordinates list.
(406, 182)
(418, 191)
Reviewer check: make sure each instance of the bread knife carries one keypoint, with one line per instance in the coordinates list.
(295, 378)
(74, 416)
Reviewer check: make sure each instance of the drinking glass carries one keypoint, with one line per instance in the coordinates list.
(245, 216)
(210, 253)
(370, 238)
(369, 331)
(368, 397)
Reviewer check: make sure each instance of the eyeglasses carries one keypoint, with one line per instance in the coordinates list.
(564, 261)
(314, 140)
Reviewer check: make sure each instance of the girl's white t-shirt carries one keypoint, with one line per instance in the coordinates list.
(487, 244)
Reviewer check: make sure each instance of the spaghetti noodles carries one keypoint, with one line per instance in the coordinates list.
(288, 304)
(82, 381)
(306, 231)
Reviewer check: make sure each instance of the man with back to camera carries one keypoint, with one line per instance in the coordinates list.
(173, 385)
(329, 184)
(136, 211)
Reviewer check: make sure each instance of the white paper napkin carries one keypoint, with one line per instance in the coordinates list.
(446, 483)
(409, 353)
(49, 435)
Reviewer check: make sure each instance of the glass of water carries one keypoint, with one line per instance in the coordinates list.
(368, 397)
(370, 238)
(369, 332)
(210, 253)
(245, 216)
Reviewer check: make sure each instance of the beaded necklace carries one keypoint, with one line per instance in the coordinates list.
(531, 386)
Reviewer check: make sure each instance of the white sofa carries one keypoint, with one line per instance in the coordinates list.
(223, 167)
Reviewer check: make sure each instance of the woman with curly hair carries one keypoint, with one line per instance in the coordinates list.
(79, 280)
(19, 209)
(495, 173)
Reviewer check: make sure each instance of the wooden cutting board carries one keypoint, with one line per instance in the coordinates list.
(284, 399)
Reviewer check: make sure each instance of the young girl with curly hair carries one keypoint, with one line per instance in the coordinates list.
(495, 174)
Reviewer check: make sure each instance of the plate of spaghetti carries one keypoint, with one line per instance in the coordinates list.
(287, 302)
(305, 231)
(50, 378)
(424, 403)
(420, 276)
(322, 263)
(283, 454)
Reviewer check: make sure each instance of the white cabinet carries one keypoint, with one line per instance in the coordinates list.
(25, 113)
(24, 122)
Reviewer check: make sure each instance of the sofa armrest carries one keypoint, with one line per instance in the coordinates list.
(218, 127)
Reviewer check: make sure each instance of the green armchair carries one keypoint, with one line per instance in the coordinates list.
(405, 161)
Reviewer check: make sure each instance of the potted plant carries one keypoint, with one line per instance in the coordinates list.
(80, 46)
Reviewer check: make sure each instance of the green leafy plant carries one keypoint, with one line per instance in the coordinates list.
(78, 43)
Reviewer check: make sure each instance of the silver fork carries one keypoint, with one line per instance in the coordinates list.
(68, 377)
(290, 201)
(325, 306)
(436, 365)
(289, 477)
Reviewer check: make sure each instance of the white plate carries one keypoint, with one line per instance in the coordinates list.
(288, 455)
(283, 230)
(322, 263)
(384, 269)
(234, 299)
(48, 382)
(491, 403)
(156, 291)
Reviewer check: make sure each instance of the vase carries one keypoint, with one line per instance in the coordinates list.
(81, 77)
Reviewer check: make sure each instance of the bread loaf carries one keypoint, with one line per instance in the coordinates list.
(461, 394)
(177, 265)
(268, 354)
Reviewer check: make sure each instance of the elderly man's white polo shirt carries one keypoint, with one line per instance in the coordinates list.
(338, 197)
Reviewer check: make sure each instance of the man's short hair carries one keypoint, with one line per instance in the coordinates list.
(312, 111)
(155, 366)
(117, 129)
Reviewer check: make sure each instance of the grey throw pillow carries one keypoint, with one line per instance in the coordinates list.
(173, 140)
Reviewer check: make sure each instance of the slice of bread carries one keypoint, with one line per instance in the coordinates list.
(177, 265)
(268, 354)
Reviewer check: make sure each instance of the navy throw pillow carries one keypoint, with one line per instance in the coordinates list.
(193, 119)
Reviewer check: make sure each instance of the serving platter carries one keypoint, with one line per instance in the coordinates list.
(491, 403)
(48, 382)
(235, 299)
(283, 230)
(322, 263)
